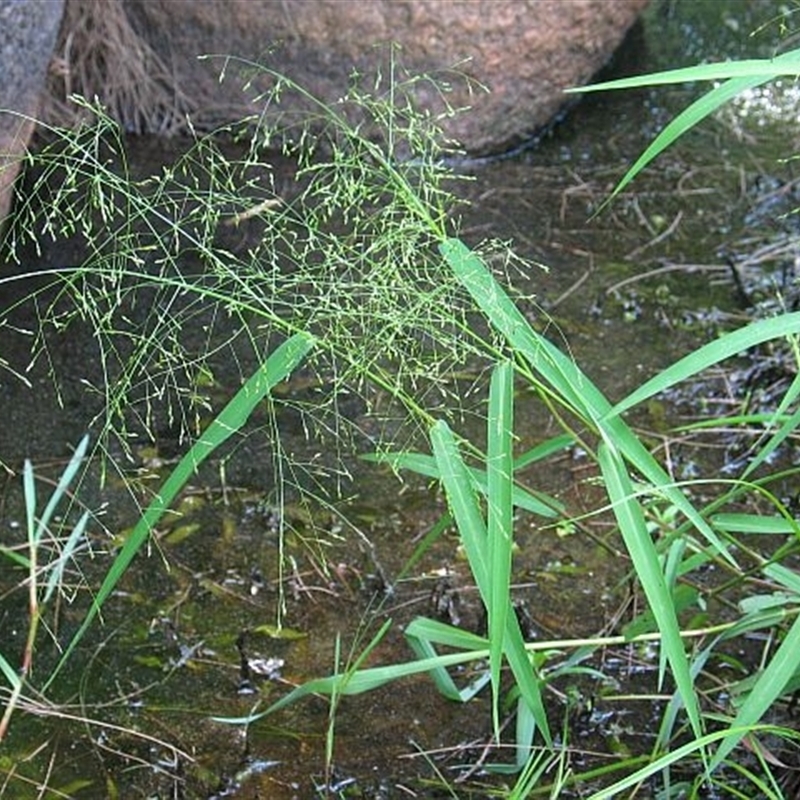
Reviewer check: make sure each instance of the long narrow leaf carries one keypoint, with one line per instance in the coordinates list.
(536, 502)
(687, 119)
(499, 517)
(64, 481)
(767, 689)
(275, 369)
(569, 384)
(756, 523)
(788, 426)
(362, 681)
(738, 76)
(463, 503)
(528, 683)
(57, 568)
(438, 632)
(785, 64)
(14, 681)
(17, 558)
(644, 556)
(423, 633)
(423, 647)
(29, 494)
(674, 757)
(544, 450)
(425, 543)
(728, 345)
(788, 577)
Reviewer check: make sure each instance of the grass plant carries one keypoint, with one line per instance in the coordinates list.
(538, 361)
(49, 555)
(348, 258)
(618, 453)
(363, 263)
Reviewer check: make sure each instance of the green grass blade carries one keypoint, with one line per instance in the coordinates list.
(525, 730)
(527, 681)
(732, 420)
(57, 569)
(354, 668)
(787, 427)
(756, 523)
(425, 543)
(16, 558)
(29, 493)
(536, 502)
(544, 450)
(674, 757)
(785, 64)
(64, 482)
(571, 386)
(364, 680)
(728, 345)
(767, 689)
(738, 77)
(464, 506)
(422, 640)
(275, 369)
(644, 556)
(499, 518)
(788, 577)
(685, 121)
(532, 774)
(433, 630)
(463, 502)
(14, 681)
(423, 633)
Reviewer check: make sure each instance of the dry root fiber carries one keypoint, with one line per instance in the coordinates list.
(101, 56)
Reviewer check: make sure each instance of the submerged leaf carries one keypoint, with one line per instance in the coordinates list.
(280, 632)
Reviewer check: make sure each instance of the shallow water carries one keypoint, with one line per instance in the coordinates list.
(628, 291)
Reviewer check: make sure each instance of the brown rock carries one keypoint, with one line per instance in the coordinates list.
(524, 51)
(141, 59)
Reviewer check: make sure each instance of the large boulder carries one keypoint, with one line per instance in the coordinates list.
(141, 57)
(28, 31)
(524, 51)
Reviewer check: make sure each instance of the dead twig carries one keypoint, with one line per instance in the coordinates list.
(656, 240)
(652, 273)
